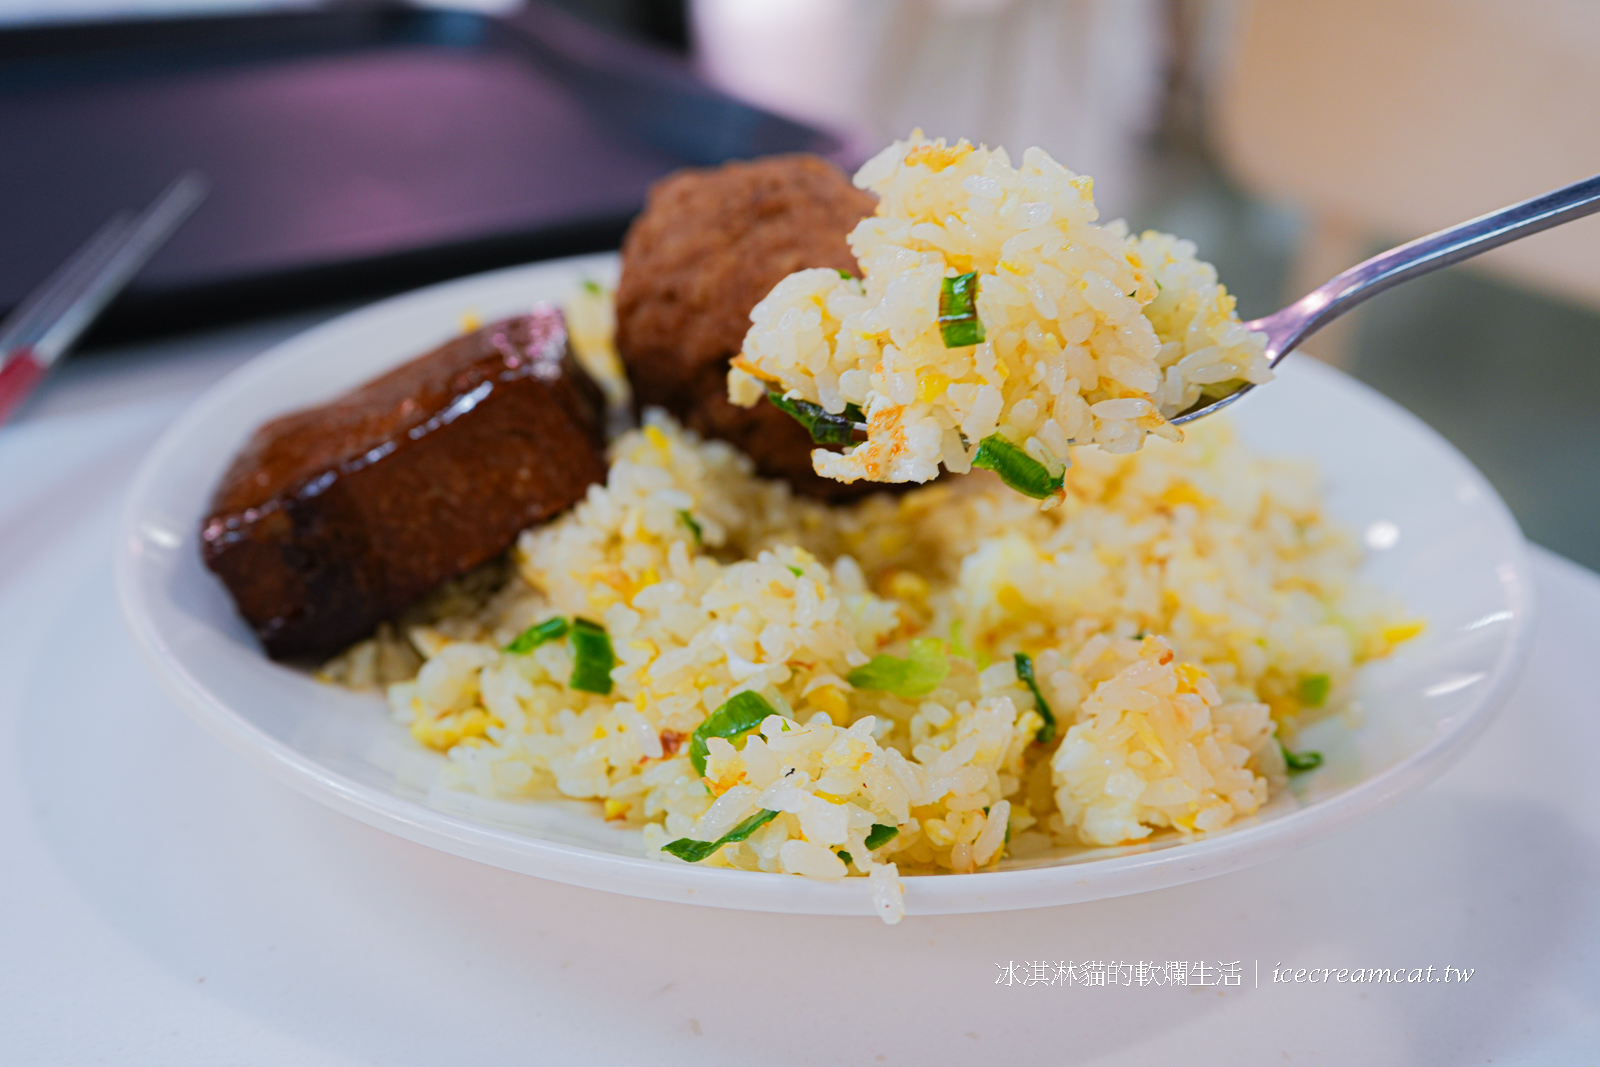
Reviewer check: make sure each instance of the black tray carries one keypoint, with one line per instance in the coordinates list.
(350, 152)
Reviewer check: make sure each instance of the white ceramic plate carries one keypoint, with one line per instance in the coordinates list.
(1438, 536)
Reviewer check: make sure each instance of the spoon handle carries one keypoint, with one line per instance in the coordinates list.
(1288, 327)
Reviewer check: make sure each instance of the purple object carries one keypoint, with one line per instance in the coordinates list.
(350, 151)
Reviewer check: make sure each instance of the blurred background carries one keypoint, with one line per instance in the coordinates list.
(366, 147)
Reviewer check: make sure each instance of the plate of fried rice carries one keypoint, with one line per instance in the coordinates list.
(1192, 652)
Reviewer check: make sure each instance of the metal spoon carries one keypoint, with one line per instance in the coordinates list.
(1288, 327)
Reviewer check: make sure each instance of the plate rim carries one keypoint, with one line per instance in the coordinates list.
(1042, 886)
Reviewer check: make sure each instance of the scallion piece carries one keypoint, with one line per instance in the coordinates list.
(824, 427)
(1047, 732)
(958, 311)
(538, 634)
(881, 835)
(1300, 761)
(694, 527)
(842, 854)
(1016, 468)
(955, 638)
(742, 713)
(916, 675)
(592, 658)
(1314, 690)
(687, 848)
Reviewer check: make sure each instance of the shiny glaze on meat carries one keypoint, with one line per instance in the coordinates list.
(336, 517)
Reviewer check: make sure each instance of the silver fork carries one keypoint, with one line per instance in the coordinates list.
(51, 318)
(1286, 328)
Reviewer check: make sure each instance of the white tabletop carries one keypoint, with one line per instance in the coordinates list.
(161, 901)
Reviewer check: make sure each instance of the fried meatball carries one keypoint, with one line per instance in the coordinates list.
(709, 245)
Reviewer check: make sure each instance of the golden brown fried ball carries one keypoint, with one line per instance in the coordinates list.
(709, 245)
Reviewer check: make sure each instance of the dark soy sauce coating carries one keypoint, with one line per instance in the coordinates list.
(336, 517)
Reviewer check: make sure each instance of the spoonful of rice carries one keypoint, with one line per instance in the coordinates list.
(996, 325)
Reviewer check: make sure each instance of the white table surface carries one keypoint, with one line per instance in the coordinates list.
(161, 901)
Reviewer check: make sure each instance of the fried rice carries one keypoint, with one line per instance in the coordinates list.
(1185, 607)
(939, 681)
(1084, 335)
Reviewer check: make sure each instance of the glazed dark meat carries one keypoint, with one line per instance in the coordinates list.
(337, 517)
(709, 245)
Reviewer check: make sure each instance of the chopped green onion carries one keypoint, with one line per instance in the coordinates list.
(1314, 690)
(917, 675)
(881, 835)
(958, 311)
(742, 713)
(591, 286)
(1047, 732)
(687, 848)
(694, 527)
(956, 645)
(538, 634)
(592, 658)
(796, 571)
(1016, 468)
(842, 854)
(824, 427)
(847, 276)
(1300, 761)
